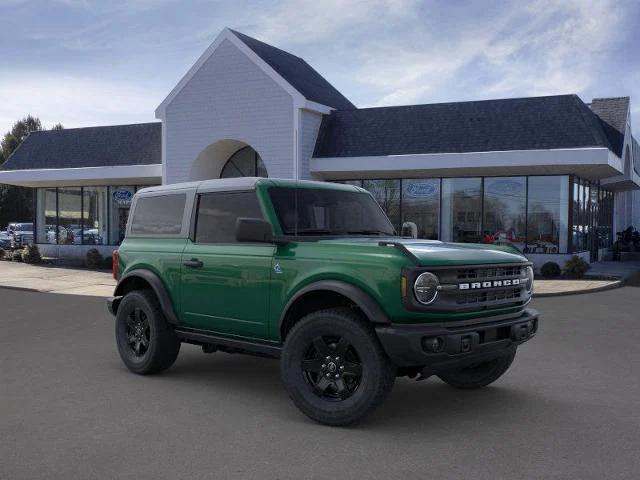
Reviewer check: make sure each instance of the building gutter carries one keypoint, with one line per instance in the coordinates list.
(84, 176)
(591, 163)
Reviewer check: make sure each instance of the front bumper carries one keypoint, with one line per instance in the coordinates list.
(456, 346)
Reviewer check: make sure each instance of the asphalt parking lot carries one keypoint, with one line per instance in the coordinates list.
(568, 408)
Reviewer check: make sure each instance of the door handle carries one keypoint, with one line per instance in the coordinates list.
(193, 263)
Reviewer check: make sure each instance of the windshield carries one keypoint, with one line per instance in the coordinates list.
(328, 212)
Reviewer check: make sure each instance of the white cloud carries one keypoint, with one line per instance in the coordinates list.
(73, 101)
(311, 21)
(540, 48)
(377, 52)
(557, 49)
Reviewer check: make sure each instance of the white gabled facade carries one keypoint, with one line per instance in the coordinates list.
(229, 99)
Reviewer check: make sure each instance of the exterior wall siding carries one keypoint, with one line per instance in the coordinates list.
(309, 127)
(229, 98)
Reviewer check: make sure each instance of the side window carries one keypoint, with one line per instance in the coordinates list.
(159, 215)
(218, 212)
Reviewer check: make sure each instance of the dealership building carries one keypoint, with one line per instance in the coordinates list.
(555, 176)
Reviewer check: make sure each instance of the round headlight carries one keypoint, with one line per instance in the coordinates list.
(426, 288)
(529, 279)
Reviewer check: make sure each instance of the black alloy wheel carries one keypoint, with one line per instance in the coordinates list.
(146, 342)
(138, 332)
(332, 368)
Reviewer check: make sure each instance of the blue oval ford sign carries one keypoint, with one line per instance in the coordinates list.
(421, 189)
(122, 196)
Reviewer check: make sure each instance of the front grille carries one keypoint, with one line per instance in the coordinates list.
(493, 296)
(494, 272)
(479, 287)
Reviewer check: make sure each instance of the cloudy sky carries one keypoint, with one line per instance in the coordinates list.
(84, 62)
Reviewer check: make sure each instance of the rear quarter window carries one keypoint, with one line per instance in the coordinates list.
(159, 215)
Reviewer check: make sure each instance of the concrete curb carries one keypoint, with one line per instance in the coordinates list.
(23, 289)
(611, 286)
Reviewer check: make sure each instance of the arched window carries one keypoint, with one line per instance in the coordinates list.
(244, 163)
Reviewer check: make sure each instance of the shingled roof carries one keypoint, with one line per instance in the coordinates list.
(298, 73)
(552, 122)
(613, 112)
(116, 145)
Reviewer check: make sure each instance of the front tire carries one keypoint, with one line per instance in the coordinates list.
(480, 375)
(146, 342)
(334, 367)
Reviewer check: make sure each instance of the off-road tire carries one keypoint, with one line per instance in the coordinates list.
(163, 344)
(377, 373)
(479, 375)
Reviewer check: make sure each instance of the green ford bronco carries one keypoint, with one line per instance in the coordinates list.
(313, 273)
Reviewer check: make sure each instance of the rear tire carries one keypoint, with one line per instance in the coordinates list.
(146, 342)
(480, 375)
(334, 367)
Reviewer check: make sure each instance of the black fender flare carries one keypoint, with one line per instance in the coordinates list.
(158, 288)
(363, 300)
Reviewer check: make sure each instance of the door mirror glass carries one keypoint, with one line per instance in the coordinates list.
(254, 230)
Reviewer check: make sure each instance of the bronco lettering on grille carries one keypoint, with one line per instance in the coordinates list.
(489, 284)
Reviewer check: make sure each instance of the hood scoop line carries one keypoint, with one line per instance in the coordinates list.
(402, 247)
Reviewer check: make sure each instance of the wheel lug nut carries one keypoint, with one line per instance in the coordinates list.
(341, 367)
(328, 374)
(324, 365)
(328, 358)
(337, 358)
(337, 376)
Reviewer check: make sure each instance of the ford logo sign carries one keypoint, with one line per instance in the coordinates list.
(421, 189)
(122, 196)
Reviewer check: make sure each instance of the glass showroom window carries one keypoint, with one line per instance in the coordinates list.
(69, 216)
(547, 214)
(505, 211)
(387, 194)
(588, 223)
(46, 215)
(578, 237)
(94, 215)
(594, 210)
(461, 209)
(421, 206)
(119, 205)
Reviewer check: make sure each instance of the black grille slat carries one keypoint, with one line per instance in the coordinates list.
(487, 273)
(489, 297)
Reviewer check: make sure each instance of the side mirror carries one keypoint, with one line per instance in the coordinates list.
(254, 230)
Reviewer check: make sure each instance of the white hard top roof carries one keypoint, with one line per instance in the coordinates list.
(221, 184)
(230, 184)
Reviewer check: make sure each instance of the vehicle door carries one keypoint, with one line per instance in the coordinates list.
(225, 284)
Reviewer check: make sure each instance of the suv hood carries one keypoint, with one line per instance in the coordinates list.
(436, 253)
